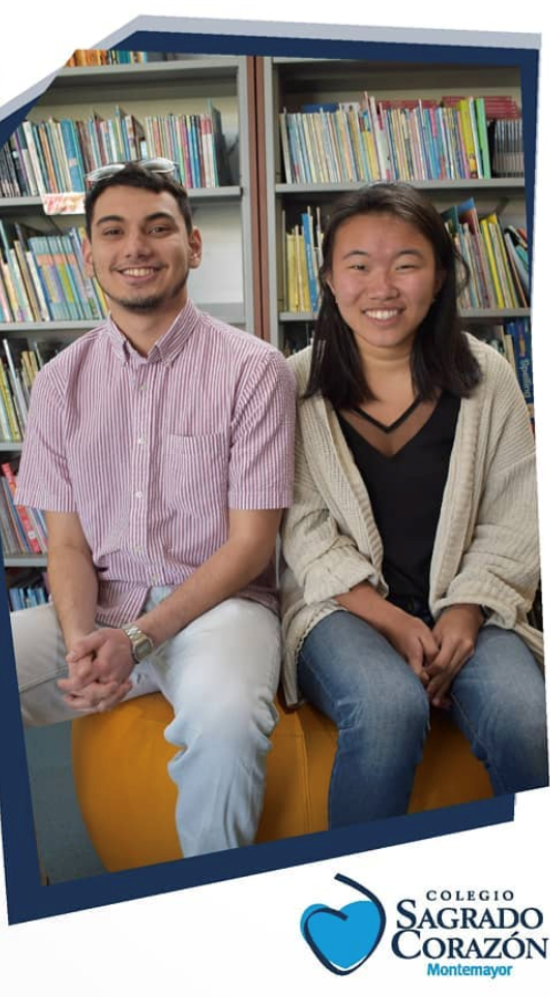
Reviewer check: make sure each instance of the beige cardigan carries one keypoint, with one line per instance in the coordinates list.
(486, 544)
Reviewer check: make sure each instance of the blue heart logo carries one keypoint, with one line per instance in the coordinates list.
(344, 939)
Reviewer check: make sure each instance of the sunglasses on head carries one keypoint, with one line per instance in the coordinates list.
(165, 167)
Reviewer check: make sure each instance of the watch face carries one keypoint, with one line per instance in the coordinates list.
(142, 645)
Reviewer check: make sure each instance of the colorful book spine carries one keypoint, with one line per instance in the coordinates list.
(22, 512)
(311, 262)
(20, 543)
(520, 334)
(5, 427)
(15, 431)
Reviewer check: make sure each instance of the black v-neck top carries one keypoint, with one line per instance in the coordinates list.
(406, 491)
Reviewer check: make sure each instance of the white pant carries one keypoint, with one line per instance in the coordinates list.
(220, 675)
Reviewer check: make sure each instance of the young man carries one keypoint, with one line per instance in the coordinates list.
(160, 446)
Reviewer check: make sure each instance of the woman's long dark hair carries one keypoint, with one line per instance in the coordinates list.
(441, 358)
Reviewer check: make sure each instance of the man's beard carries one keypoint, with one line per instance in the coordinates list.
(148, 303)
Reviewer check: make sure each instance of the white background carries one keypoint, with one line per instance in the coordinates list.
(243, 937)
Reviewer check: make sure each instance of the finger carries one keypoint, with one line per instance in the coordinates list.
(86, 645)
(440, 684)
(98, 696)
(415, 660)
(84, 670)
(76, 683)
(430, 647)
(441, 681)
(443, 703)
(122, 689)
(93, 693)
(72, 685)
(452, 656)
(438, 697)
(80, 704)
(443, 658)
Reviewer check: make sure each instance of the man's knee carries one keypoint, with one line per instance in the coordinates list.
(39, 654)
(229, 721)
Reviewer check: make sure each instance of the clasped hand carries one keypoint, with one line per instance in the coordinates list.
(436, 656)
(455, 634)
(100, 665)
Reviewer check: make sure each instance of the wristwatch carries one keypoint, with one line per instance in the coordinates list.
(142, 645)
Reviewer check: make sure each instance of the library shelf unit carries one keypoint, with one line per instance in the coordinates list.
(224, 284)
(290, 83)
(241, 276)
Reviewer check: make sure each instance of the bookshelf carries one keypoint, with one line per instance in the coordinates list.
(182, 86)
(230, 215)
(291, 84)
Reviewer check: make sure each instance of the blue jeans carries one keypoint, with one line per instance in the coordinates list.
(353, 675)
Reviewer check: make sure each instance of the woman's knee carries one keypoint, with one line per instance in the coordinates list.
(402, 716)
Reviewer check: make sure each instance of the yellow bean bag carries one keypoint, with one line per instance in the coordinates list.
(128, 800)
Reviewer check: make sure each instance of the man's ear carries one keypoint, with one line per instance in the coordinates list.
(87, 257)
(195, 249)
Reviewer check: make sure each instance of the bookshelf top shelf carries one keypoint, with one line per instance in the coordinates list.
(24, 205)
(372, 74)
(205, 77)
(216, 67)
(19, 329)
(499, 183)
(227, 311)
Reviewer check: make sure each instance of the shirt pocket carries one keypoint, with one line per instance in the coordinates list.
(195, 473)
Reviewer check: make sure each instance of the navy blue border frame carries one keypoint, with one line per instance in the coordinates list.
(27, 899)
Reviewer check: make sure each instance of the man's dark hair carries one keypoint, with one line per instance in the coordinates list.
(134, 175)
(441, 358)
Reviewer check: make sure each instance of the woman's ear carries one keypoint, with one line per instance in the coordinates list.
(328, 283)
(439, 281)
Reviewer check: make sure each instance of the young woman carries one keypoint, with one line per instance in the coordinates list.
(411, 548)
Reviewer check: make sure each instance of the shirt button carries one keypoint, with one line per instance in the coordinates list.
(138, 550)
(139, 495)
(142, 440)
(155, 581)
(143, 387)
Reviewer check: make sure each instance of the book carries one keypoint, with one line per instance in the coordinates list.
(20, 542)
(467, 214)
(520, 334)
(311, 261)
(481, 119)
(283, 131)
(18, 397)
(15, 431)
(292, 296)
(32, 539)
(5, 427)
(493, 267)
(506, 280)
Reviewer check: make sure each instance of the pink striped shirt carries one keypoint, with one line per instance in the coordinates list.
(152, 451)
